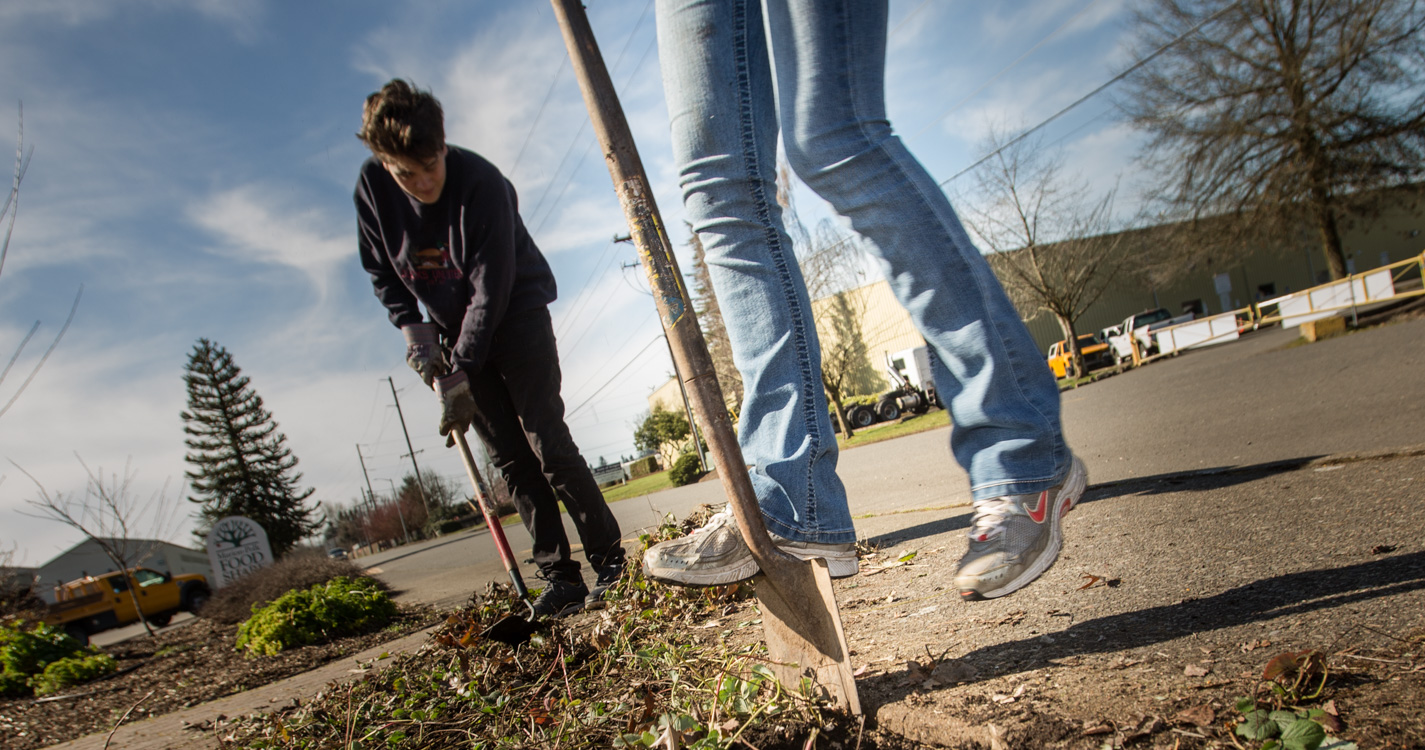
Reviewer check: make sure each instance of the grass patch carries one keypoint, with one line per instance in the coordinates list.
(637, 487)
(909, 426)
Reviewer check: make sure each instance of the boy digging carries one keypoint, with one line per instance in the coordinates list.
(439, 225)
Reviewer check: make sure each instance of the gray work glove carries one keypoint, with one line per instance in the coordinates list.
(423, 352)
(457, 405)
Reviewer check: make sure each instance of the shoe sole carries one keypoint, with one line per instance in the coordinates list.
(842, 566)
(1064, 502)
(572, 608)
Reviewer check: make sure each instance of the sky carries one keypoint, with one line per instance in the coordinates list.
(192, 171)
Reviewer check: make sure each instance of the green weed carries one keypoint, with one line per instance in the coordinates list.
(1275, 717)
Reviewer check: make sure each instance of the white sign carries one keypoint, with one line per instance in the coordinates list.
(237, 546)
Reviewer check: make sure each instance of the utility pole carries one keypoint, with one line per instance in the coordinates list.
(678, 376)
(420, 483)
(369, 492)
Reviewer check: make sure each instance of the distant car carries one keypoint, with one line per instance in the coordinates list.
(1095, 355)
(337, 553)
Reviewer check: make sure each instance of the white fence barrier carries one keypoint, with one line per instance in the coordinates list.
(1217, 329)
(1327, 300)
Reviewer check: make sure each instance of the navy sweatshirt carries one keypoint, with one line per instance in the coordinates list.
(466, 257)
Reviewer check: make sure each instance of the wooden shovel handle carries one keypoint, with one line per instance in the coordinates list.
(690, 352)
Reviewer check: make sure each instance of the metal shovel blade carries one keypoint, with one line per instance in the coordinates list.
(806, 643)
(512, 630)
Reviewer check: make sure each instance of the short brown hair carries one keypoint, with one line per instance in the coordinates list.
(403, 121)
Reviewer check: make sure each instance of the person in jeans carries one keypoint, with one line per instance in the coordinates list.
(439, 226)
(733, 76)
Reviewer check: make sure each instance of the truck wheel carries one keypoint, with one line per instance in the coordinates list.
(194, 597)
(888, 410)
(78, 633)
(161, 620)
(861, 416)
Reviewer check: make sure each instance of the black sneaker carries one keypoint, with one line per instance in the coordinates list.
(609, 575)
(560, 597)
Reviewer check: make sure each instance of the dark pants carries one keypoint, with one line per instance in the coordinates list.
(520, 418)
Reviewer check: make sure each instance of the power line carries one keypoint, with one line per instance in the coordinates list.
(635, 331)
(584, 123)
(537, 115)
(606, 384)
(590, 145)
(907, 17)
(584, 292)
(1089, 95)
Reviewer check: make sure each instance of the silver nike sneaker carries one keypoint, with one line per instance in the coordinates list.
(715, 554)
(1014, 539)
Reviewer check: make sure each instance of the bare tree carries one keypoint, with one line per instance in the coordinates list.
(17, 588)
(833, 266)
(1278, 114)
(7, 217)
(714, 330)
(108, 515)
(1053, 251)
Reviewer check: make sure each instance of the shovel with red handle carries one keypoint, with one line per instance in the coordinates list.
(511, 629)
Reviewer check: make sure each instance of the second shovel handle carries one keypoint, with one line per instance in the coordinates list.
(492, 522)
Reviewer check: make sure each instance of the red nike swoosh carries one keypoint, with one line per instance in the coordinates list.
(1038, 514)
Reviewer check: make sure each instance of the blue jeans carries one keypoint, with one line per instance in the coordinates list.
(732, 71)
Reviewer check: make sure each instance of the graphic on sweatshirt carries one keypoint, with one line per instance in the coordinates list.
(432, 264)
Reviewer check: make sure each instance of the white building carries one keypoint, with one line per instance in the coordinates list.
(88, 559)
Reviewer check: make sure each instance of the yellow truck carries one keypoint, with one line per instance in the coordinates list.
(1095, 354)
(93, 604)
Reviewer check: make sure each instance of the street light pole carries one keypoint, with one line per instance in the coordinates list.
(397, 500)
(678, 376)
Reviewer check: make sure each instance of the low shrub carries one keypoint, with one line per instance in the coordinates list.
(13, 684)
(339, 607)
(298, 571)
(686, 470)
(643, 467)
(72, 670)
(28, 651)
(25, 648)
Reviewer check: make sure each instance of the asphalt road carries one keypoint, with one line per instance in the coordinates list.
(1253, 402)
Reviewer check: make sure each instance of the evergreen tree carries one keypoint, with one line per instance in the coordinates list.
(241, 463)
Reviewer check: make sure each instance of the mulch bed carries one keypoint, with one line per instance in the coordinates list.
(183, 667)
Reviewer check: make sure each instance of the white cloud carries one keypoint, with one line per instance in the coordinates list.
(243, 17)
(251, 226)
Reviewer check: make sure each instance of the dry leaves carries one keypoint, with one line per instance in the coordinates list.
(1198, 716)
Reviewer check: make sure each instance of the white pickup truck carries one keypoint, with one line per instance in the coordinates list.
(1140, 326)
